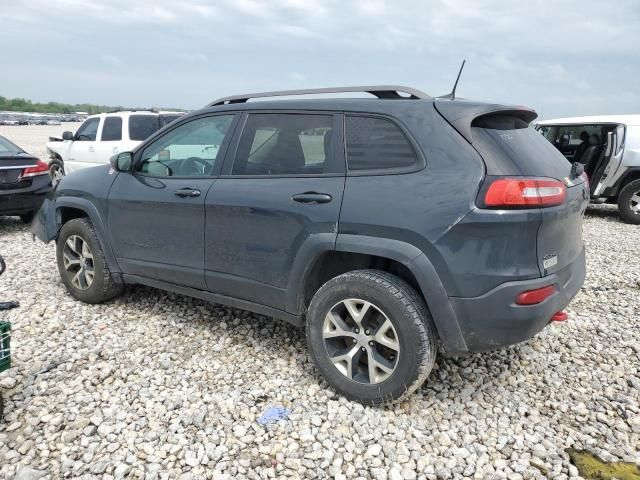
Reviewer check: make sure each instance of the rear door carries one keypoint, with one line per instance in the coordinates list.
(110, 140)
(282, 192)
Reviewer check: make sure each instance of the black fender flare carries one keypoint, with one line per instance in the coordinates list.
(49, 222)
(410, 256)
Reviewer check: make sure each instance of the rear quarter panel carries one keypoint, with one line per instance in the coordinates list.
(418, 208)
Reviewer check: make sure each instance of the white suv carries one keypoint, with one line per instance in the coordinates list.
(100, 136)
(608, 147)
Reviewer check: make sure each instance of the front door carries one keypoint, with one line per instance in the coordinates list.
(156, 213)
(82, 149)
(282, 190)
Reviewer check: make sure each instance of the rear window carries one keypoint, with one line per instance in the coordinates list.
(375, 143)
(7, 147)
(509, 146)
(112, 129)
(142, 126)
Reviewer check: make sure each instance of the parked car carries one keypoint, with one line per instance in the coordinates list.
(101, 136)
(384, 227)
(24, 181)
(610, 152)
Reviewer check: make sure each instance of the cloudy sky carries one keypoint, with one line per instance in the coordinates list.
(563, 57)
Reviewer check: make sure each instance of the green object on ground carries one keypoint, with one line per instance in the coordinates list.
(594, 468)
(5, 351)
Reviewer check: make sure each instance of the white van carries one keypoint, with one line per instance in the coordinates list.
(608, 146)
(101, 136)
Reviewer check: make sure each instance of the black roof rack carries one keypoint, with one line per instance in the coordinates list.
(380, 91)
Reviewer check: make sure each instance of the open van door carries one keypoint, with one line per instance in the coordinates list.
(609, 162)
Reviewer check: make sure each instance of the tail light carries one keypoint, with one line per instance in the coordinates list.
(40, 168)
(525, 193)
(533, 297)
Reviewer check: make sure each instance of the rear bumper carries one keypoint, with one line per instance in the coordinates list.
(494, 320)
(15, 202)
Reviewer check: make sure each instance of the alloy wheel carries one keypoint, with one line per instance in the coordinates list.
(361, 341)
(78, 262)
(634, 203)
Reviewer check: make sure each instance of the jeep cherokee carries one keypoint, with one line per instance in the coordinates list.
(384, 226)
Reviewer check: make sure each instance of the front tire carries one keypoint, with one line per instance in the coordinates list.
(629, 202)
(56, 172)
(82, 265)
(371, 336)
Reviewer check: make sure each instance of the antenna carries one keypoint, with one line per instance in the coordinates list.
(452, 95)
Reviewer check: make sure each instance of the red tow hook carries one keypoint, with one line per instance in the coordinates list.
(559, 317)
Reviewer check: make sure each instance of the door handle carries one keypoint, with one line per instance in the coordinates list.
(312, 197)
(91, 149)
(187, 192)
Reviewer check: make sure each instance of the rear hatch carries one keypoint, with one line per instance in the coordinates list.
(511, 148)
(11, 168)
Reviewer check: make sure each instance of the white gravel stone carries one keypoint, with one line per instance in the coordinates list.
(135, 387)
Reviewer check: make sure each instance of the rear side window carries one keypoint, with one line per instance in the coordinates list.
(112, 129)
(284, 144)
(142, 126)
(375, 143)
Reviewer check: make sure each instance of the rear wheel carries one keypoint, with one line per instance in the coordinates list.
(82, 265)
(629, 202)
(371, 336)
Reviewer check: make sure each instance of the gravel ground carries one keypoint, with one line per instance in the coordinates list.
(156, 385)
(33, 138)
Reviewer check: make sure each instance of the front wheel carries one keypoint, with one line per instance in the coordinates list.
(56, 172)
(82, 265)
(371, 335)
(629, 202)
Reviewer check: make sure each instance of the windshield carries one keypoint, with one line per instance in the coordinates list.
(6, 147)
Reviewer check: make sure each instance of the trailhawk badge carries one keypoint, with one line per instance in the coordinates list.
(549, 261)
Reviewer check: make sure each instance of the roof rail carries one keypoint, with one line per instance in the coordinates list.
(380, 91)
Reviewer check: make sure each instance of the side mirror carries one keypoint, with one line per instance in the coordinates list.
(67, 135)
(121, 162)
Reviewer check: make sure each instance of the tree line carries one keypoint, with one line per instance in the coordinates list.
(24, 105)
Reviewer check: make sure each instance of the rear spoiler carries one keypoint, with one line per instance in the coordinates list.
(461, 113)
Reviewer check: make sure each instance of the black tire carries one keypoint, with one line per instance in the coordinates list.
(27, 217)
(56, 171)
(103, 287)
(628, 200)
(414, 332)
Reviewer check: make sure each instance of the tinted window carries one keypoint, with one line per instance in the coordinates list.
(7, 147)
(142, 126)
(112, 129)
(88, 130)
(190, 150)
(376, 143)
(167, 118)
(284, 144)
(510, 146)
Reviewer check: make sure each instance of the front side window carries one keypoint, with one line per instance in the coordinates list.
(284, 144)
(112, 129)
(142, 126)
(375, 143)
(190, 150)
(88, 130)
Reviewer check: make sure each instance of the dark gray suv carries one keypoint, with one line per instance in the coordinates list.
(384, 226)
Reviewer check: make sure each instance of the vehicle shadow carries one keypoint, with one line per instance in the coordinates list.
(604, 211)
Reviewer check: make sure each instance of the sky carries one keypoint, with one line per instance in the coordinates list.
(563, 58)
